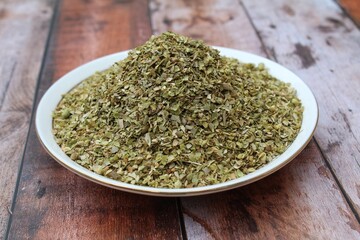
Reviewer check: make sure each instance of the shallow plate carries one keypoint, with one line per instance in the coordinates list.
(54, 94)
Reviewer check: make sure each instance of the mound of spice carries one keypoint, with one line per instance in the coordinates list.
(177, 114)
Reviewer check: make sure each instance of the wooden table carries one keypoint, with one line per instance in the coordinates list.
(317, 196)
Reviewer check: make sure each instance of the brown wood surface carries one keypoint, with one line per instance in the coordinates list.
(353, 8)
(325, 54)
(301, 201)
(221, 23)
(21, 54)
(315, 197)
(290, 199)
(53, 203)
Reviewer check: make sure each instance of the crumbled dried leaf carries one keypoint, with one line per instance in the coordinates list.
(177, 114)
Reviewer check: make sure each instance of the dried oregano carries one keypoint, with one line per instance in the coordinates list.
(176, 114)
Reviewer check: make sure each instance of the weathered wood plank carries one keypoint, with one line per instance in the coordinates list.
(24, 27)
(215, 22)
(353, 8)
(301, 201)
(318, 42)
(14, 127)
(53, 203)
(296, 202)
(82, 35)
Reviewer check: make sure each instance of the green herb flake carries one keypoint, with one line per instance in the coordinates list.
(177, 114)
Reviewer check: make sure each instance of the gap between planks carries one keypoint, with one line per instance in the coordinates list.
(178, 15)
(326, 46)
(346, 197)
(47, 192)
(326, 160)
(33, 109)
(352, 9)
(24, 28)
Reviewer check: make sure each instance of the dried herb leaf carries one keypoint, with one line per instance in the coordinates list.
(177, 114)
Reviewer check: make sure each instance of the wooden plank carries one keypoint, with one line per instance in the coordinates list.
(82, 35)
(24, 27)
(301, 201)
(295, 203)
(14, 126)
(52, 202)
(215, 22)
(353, 8)
(322, 45)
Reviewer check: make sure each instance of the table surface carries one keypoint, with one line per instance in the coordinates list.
(316, 196)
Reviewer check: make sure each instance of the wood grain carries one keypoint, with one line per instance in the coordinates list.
(53, 203)
(295, 203)
(221, 23)
(14, 127)
(301, 201)
(24, 27)
(353, 8)
(81, 38)
(319, 43)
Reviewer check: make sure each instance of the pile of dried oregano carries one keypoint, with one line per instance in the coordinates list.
(176, 114)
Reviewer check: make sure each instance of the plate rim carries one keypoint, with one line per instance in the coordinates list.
(169, 192)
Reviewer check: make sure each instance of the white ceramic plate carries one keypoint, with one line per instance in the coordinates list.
(54, 94)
